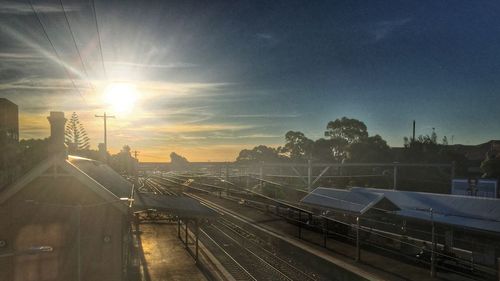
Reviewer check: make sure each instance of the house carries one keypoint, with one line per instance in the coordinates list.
(70, 218)
(58, 222)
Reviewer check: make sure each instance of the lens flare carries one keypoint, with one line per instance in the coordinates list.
(120, 97)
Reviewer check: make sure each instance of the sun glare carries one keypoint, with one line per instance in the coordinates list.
(121, 97)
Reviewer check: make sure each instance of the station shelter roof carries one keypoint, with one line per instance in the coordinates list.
(470, 212)
(342, 200)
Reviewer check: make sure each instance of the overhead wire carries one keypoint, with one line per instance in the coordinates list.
(76, 46)
(55, 50)
(99, 38)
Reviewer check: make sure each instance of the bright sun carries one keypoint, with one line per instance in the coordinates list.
(121, 97)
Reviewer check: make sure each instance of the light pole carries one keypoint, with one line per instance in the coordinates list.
(433, 248)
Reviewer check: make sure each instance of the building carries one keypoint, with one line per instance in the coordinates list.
(58, 223)
(9, 119)
(70, 218)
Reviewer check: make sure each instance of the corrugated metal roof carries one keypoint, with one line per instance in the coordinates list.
(104, 175)
(177, 205)
(487, 209)
(343, 200)
(477, 213)
(121, 188)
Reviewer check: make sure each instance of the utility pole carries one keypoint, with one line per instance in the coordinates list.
(413, 135)
(135, 154)
(105, 117)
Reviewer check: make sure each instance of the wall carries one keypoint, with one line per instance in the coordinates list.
(53, 222)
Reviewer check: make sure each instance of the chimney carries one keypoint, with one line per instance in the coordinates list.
(56, 142)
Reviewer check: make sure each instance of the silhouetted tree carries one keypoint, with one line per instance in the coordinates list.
(123, 162)
(491, 165)
(76, 136)
(445, 140)
(260, 153)
(343, 132)
(350, 130)
(297, 146)
(323, 150)
(178, 162)
(370, 149)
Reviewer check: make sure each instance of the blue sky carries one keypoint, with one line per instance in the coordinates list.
(213, 77)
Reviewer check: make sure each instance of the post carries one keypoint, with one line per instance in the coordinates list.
(325, 231)
(196, 236)
(433, 248)
(300, 225)
(453, 167)
(261, 175)
(358, 244)
(186, 234)
(179, 228)
(309, 174)
(413, 136)
(395, 174)
(78, 241)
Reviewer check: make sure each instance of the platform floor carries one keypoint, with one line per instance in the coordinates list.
(164, 255)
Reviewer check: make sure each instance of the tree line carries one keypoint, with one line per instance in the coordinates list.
(347, 140)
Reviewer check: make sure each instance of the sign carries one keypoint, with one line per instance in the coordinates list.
(475, 187)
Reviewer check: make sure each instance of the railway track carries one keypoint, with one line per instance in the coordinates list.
(244, 255)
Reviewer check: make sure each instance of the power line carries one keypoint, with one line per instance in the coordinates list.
(99, 39)
(76, 46)
(55, 50)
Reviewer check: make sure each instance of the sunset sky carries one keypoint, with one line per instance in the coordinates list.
(208, 78)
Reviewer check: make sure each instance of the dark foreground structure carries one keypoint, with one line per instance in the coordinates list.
(71, 218)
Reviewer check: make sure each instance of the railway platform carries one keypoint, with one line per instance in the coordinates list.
(162, 256)
(373, 266)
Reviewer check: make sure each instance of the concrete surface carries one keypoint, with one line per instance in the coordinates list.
(165, 257)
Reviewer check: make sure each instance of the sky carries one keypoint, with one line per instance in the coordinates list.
(210, 78)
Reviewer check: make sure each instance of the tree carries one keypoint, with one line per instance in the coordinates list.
(343, 132)
(370, 149)
(178, 162)
(350, 130)
(298, 146)
(123, 162)
(258, 154)
(434, 136)
(76, 136)
(323, 150)
(445, 140)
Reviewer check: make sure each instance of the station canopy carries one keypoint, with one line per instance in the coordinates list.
(114, 183)
(477, 213)
(345, 200)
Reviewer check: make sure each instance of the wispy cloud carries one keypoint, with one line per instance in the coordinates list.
(383, 29)
(11, 7)
(264, 115)
(145, 65)
(19, 57)
(266, 37)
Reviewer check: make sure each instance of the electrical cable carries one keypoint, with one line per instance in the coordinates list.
(54, 49)
(76, 46)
